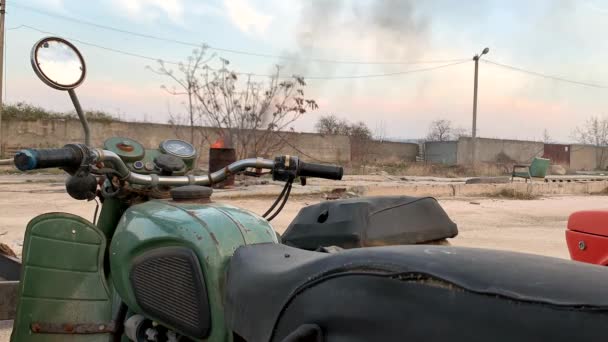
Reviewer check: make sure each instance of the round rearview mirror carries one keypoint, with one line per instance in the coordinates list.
(58, 63)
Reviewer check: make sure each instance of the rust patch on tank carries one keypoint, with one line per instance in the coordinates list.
(193, 213)
(73, 328)
(214, 238)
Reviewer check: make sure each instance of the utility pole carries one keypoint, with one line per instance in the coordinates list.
(2, 12)
(474, 130)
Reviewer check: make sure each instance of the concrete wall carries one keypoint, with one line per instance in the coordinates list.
(309, 146)
(498, 150)
(386, 152)
(318, 148)
(582, 157)
(441, 152)
(588, 158)
(312, 147)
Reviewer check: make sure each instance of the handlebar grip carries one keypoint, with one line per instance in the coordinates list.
(320, 171)
(31, 159)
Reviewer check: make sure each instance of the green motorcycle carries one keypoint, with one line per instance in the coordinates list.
(163, 262)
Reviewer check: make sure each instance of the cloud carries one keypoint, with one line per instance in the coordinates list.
(151, 9)
(247, 18)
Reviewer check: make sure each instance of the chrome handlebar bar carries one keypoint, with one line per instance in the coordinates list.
(125, 174)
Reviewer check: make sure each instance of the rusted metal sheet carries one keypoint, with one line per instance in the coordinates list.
(10, 272)
(9, 296)
(10, 268)
(73, 328)
(558, 154)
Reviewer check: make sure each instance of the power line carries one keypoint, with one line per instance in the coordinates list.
(127, 53)
(456, 62)
(387, 74)
(538, 74)
(122, 52)
(233, 51)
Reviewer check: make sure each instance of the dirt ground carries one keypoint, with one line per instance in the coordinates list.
(530, 226)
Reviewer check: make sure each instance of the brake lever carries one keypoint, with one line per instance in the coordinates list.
(81, 184)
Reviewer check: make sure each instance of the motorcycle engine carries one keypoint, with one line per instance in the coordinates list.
(140, 329)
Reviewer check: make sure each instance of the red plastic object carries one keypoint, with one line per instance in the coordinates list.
(587, 236)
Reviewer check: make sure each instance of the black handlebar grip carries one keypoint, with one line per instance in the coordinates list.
(31, 159)
(320, 171)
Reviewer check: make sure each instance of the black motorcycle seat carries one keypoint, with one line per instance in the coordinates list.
(274, 289)
(369, 221)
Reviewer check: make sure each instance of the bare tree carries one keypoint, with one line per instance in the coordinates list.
(250, 114)
(440, 130)
(359, 130)
(546, 137)
(459, 132)
(359, 134)
(380, 131)
(186, 81)
(330, 124)
(594, 132)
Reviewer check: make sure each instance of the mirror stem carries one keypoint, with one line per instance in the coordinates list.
(83, 119)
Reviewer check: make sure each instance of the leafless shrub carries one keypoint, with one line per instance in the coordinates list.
(249, 113)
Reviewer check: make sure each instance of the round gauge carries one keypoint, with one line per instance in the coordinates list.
(178, 148)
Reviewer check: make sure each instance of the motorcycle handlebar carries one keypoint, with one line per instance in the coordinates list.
(32, 159)
(71, 156)
(320, 171)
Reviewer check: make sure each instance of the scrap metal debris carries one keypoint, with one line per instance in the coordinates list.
(6, 250)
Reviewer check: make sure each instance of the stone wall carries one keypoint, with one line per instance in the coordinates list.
(498, 151)
(309, 146)
(588, 158)
(385, 152)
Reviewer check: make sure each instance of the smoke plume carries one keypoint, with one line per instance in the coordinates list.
(381, 30)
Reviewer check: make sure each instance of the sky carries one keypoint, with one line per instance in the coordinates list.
(562, 38)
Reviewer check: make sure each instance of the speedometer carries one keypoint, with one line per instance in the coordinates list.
(178, 148)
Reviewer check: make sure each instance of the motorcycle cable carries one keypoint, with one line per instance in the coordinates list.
(277, 200)
(289, 185)
(96, 211)
(106, 186)
(104, 171)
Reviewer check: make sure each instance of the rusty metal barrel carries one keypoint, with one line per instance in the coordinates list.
(219, 158)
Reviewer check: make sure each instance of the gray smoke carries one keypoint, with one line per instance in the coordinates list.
(380, 30)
